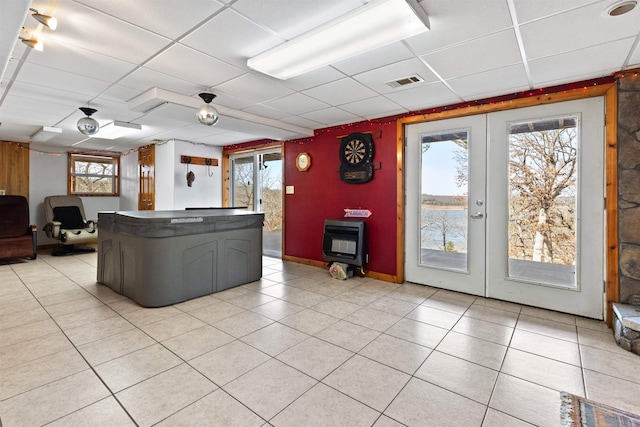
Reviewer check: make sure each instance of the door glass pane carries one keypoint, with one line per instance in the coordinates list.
(543, 188)
(443, 200)
(271, 202)
(243, 182)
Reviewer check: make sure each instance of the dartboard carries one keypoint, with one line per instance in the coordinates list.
(354, 151)
(356, 158)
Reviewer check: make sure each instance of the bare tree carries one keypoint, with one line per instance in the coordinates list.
(542, 171)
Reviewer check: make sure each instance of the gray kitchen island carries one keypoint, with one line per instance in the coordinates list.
(158, 258)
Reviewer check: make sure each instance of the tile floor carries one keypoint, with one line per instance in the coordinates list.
(296, 348)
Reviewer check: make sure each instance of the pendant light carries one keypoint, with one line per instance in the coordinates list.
(88, 125)
(207, 114)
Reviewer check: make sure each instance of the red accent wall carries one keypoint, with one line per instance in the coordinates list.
(320, 194)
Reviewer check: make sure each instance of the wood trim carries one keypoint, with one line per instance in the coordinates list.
(609, 91)
(283, 194)
(325, 264)
(612, 291)
(15, 158)
(400, 196)
(226, 181)
(193, 160)
(265, 146)
(375, 134)
(567, 95)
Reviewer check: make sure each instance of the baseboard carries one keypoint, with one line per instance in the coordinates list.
(324, 264)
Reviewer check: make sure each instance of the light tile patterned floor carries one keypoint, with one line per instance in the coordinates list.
(296, 348)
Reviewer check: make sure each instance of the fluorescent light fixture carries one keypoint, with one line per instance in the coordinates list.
(117, 129)
(45, 133)
(376, 24)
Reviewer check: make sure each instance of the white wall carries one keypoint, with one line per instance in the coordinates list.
(205, 191)
(48, 177)
(129, 182)
(164, 176)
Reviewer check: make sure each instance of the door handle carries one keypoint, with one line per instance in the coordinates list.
(478, 215)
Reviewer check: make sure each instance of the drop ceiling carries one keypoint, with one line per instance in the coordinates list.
(113, 55)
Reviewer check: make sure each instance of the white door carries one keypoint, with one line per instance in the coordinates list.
(445, 188)
(541, 196)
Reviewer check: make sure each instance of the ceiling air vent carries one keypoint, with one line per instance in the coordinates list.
(405, 81)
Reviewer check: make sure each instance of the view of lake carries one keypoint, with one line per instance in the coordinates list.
(450, 221)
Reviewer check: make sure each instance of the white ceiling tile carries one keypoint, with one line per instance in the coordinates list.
(577, 29)
(431, 95)
(376, 79)
(265, 111)
(232, 38)
(253, 87)
(84, 28)
(169, 18)
(113, 109)
(201, 70)
(493, 51)
(297, 103)
(373, 108)
(303, 122)
(41, 94)
(82, 62)
(577, 65)
(230, 101)
(330, 116)
(314, 78)
(105, 52)
(340, 92)
(120, 93)
(490, 83)
(527, 10)
(144, 79)
(293, 17)
(15, 109)
(374, 59)
(457, 21)
(168, 114)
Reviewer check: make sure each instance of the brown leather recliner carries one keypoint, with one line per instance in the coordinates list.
(18, 238)
(67, 223)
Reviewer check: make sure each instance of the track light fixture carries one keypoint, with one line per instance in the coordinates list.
(33, 43)
(88, 125)
(207, 114)
(46, 20)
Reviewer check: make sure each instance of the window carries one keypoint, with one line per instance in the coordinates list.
(94, 174)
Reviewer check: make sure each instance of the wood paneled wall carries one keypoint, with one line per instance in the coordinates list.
(14, 168)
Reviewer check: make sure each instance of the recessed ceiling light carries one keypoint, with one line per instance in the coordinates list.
(621, 7)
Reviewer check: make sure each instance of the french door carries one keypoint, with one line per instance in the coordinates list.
(510, 205)
(257, 185)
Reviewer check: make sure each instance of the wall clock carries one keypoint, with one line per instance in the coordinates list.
(303, 162)
(356, 158)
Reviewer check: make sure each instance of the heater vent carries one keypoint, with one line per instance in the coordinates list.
(405, 81)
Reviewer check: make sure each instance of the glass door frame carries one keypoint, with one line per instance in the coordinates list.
(257, 156)
(606, 87)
